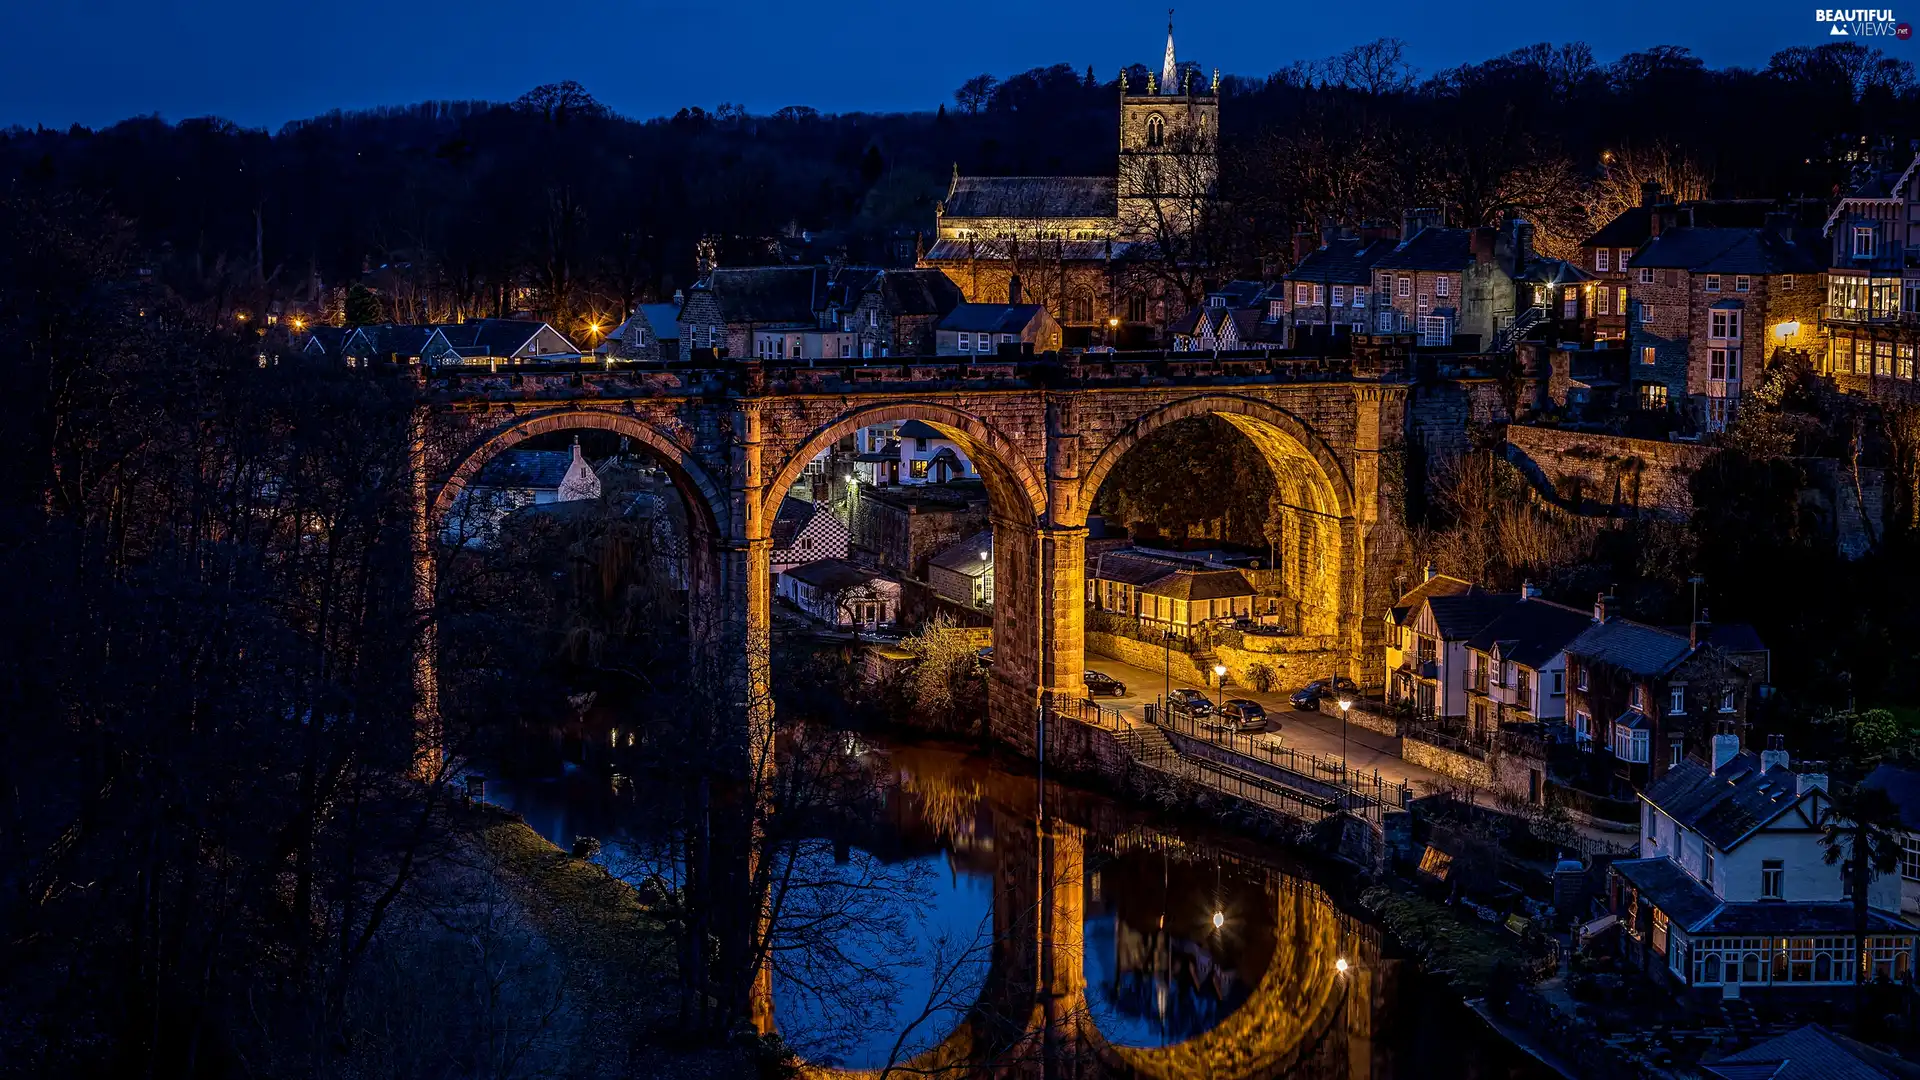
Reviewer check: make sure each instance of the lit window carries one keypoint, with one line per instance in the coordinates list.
(1883, 358)
(1647, 355)
(1603, 302)
(1653, 397)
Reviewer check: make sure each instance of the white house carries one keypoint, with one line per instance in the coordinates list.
(1517, 664)
(841, 594)
(1732, 892)
(1902, 785)
(1427, 634)
(928, 457)
(805, 532)
(513, 481)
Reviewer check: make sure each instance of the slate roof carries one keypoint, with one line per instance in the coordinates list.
(492, 337)
(1810, 1053)
(1666, 885)
(1903, 786)
(328, 338)
(1033, 197)
(1200, 585)
(662, 319)
(1553, 272)
(919, 429)
(1132, 568)
(832, 575)
(1437, 585)
(792, 516)
(526, 469)
(1634, 225)
(1248, 324)
(1239, 293)
(1734, 251)
(1342, 261)
(768, 294)
(964, 557)
(1532, 632)
(1724, 806)
(1432, 248)
(1632, 646)
(991, 318)
(1065, 250)
(917, 292)
(1772, 917)
(1461, 616)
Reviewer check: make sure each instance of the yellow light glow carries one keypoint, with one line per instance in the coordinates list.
(1785, 330)
(1220, 920)
(1340, 965)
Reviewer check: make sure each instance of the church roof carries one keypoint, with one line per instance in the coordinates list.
(1063, 250)
(1033, 197)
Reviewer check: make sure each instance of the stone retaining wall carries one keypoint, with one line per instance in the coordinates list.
(1446, 762)
(1590, 473)
(1291, 670)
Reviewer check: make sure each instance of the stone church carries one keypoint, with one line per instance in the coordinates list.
(1095, 250)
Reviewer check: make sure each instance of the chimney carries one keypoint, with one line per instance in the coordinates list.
(1809, 781)
(1726, 747)
(1650, 193)
(1013, 290)
(1412, 221)
(679, 297)
(1327, 233)
(1665, 216)
(1484, 240)
(1522, 243)
(1780, 224)
(1529, 591)
(1303, 244)
(1600, 607)
(1701, 630)
(1775, 756)
(1431, 573)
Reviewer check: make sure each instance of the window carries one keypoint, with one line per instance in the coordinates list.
(1339, 296)
(1433, 330)
(1719, 413)
(1903, 364)
(1708, 878)
(1580, 677)
(1603, 259)
(966, 342)
(1726, 701)
(873, 316)
(1675, 752)
(1137, 308)
(1910, 856)
(1723, 365)
(1303, 293)
(1630, 744)
(1156, 130)
(1570, 305)
(1677, 701)
(1742, 283)
(1636, 698)
(1648, 356)
(1443, 287)
(1883, 358)
(1603, 302)
(795, 348)
(1646, 313)
(1646, 275)
(1773, 878)
(918, 468)
(1523, 686)
(1424, 303)
(1626, 256)
(1319, 295)
(1359, 295)
(1862, 358)
(1723, 323)
(1620, 299)
(1713, 283)
(1404, 287)
(1582, 728)
(1786, 283)
(1863, 241)
(1659, 931)
(1559, 683)
(1842, 358)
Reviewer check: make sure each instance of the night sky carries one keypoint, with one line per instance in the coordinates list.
(98, 61)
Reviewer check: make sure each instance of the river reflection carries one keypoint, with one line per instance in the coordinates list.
(1027, 927)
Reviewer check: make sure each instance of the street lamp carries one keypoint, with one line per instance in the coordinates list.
(1345, 704)
(1340, 965)
(1220, 683)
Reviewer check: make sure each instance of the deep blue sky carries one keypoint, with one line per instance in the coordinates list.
(263, 63)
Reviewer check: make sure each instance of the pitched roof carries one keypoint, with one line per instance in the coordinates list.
(662, 319)
(918, 429)
(1811, 1053)
(1771, 918)
(1432, 248)
(1902, 785)
(1553, 272)
(526, 469)
(494, 337)
(768, 294)
(1033, 197)
(1532, 632)
(1670, 888)
(964, 557)
(991, 318)
(1437, 585)
(1734, 251)
(1061, 250)
(328, 339)
(1724, 806)
(1636, 647)
(917, 292)
(1132, 567)
(1344, 260)
(792, 516)
(1176, 579)
(1634, 225)
(832, 575)
(1462, 615)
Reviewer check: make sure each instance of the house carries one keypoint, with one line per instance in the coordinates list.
(1902, 785)
(976, 329)
(806, 532)
(894, 312)
(899, 529)
(1810, 1052)
(1650, 695)
(1328, 287)
(1428, 629)
(929, 457)
(1445, 284)
(1517, 664)
(841, 594)
(512, 481)
(1873, 280)
(1565, 299)
(735, 310)
(964, 572)
(1732, 893)
(504, 341)
(1165, 593)
(392, 343)
(651, 335)
(1217, 325)
(1710, 305)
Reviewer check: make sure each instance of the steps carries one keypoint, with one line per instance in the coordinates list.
(1517, 331)
(1147, 745)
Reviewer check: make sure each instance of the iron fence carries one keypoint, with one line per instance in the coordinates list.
(1373, 791)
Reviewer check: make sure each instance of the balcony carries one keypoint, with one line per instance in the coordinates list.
(1859, 316)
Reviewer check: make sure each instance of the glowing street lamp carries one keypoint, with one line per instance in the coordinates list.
(1220, 682)
(1220, 920)
(1345, 704)
(1340, 965)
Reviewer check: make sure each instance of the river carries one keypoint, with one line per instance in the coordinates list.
(970, 914)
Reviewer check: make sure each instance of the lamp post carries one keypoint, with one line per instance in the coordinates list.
(1345, 704)
(1220, 685)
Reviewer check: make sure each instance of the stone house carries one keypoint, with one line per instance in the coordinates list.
(730, 310)
(985, 329)
(899, 529)
(1450, 286)
(1710, 305)
(1873, 282)
(964, 572)
(806, 532)
(513, 481)
(1902, 785)
(1231, 317)
(1649, 696)
(505, 341)
(1327, 287)
(651, 335)
(894, 312)
(1517, 664)
(1731, 893)
(841, 594)
(1427, 631)
(1176, 595)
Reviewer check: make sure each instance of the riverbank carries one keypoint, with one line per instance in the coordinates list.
(616, 959)
(1467, 954)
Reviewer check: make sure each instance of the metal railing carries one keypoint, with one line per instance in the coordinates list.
(1365, 792)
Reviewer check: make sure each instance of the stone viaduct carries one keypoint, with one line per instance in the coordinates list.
(1044, 433)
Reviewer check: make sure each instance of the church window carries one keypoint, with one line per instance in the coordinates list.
(1082, 308)
(1156, 130)
(1137, 308)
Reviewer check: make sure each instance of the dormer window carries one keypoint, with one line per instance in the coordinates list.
(1216, 301)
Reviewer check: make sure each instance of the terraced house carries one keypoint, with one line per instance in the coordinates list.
(1449, 286)
(1873, 281)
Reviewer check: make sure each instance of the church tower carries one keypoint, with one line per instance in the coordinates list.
(1169, 147)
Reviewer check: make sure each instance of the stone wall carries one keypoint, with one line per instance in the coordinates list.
(1610, 475)
(1446, 762)
(1291, 670)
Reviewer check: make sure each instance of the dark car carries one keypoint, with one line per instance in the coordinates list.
(1239, 714)
(984, 655)
(1101, 684)
(1311, 695)
(1189, 702)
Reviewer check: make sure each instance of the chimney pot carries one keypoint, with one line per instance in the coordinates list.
(1725, 748)
(1650, 193)
(1600, 607)
(1809, 781)
(1431, 573)
(1775, 755)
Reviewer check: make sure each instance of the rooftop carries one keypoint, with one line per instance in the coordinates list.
(1811, 1053)
(1634, 647)
(1432, 248)
(831, 575)
(1735, 251)
(991, 318)
(1532, 632)
(1727, 804)
(526, 469)
(965, 556)
(1033, 197)
(768, 294)
(1343, 260)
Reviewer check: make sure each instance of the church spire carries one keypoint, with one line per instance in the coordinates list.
(1167, 66)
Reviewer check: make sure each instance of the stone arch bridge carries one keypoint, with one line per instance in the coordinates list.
(1043, 434)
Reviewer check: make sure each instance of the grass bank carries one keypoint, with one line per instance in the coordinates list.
(1465, 951)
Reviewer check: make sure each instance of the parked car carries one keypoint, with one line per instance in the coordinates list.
(984, 655)
(1189, 702)
(1101, 684)
(1311, 695)
(1239, 714)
